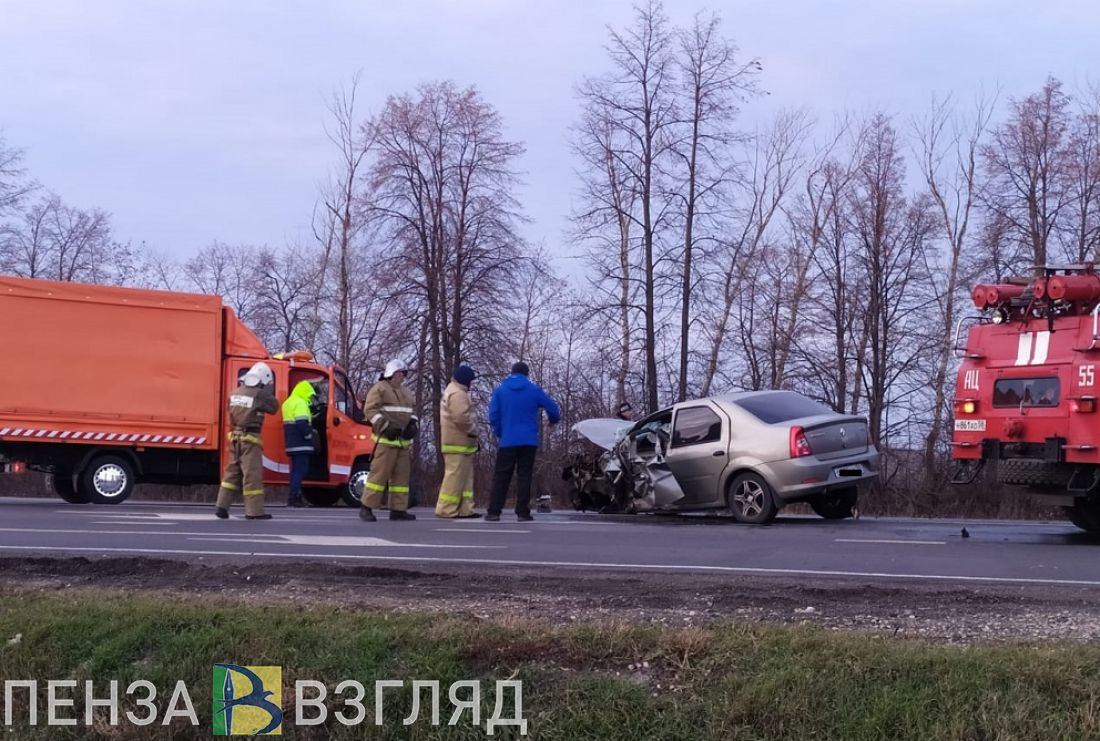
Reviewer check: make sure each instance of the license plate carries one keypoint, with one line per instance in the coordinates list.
(969, 425)
(849, 472)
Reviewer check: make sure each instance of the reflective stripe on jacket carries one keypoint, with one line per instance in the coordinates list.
(388, 408)
(297, 418)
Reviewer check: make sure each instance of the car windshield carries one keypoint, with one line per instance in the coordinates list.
(781, 406)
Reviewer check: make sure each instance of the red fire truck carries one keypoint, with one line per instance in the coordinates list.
(1026, 398)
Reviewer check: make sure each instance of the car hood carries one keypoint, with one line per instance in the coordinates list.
(603, 431)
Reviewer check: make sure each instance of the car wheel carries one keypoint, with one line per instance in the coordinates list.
(1085, 515)
(61, 483)
(352, 492)
(321, 497)
(108, 479)
(837, 504)
(750, 500)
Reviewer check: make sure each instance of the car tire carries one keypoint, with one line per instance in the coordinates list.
(751, 501)
(352, 491)
(108, 479)
(1085, 515)
(837, 504)
(319, 497)
(61, 484)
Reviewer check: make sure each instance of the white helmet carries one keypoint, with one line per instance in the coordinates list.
(259, 375)
(392, 367)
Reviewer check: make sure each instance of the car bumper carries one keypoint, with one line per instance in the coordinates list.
(798, 478)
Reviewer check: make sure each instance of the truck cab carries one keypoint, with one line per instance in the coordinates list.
(1025, 399)
(339, 467)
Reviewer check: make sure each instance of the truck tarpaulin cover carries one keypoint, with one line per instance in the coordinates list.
(110, 353)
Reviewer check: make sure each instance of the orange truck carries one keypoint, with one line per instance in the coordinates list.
(106, 387)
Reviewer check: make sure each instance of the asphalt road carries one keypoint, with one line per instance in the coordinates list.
(888, 549)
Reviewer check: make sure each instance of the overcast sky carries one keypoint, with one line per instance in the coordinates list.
(201, 120)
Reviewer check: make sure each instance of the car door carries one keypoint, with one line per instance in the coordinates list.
(698, 453)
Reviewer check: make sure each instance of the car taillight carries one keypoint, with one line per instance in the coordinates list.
(800, 446)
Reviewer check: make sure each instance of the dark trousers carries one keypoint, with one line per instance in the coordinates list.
(520, 459)
(299, 467)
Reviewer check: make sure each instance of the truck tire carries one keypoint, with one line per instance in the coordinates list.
(61, 484)
(1034, 474)
(352, 492)
(837, 504)
(1085, 515)
(107, 479)
(750, 500)
(319, 497)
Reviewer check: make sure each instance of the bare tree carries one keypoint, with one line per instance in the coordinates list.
(442, 185)
(948, 153)
(340, 223)
(56, 241)
(14, 185)
(774, 159)
(1081, 229)
(639, 99)
(712, 81)
(1026, 163)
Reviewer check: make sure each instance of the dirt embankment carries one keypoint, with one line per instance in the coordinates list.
(911, 609)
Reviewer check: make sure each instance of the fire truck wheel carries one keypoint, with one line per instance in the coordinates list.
(1085, 515)
(321, 497)
(61, 483)
(837, 504)
(108, 479)
(357, 482)
(750, 500)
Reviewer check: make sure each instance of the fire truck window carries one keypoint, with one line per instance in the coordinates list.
(1029, 392)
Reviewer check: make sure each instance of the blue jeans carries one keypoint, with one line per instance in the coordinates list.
(299, 466)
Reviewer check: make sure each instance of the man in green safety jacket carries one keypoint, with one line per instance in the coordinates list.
(389, 409)
(458, 442)
(244, 473)
(299, 436)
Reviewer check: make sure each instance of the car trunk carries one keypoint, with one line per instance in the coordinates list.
(831, 438)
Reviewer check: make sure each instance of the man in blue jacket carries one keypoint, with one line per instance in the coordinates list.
(514, 417)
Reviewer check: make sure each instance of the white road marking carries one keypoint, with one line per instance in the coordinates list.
(892, 542)
(333, 541)
(574, 564)
(478, 530)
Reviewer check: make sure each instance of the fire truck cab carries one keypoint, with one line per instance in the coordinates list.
(1026, 397)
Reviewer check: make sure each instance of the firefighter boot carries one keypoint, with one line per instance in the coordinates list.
(221, 513)
(400, 514)
(366, 515)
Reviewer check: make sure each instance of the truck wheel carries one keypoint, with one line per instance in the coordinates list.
(837, 504)
(750, 500)
(352, 492)
(61, 483)
(108, 479)
(1085, 515)
(321, 497)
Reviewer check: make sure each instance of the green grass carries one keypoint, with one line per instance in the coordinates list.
(725, 682)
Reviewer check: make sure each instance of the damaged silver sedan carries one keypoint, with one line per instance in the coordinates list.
(752, 452)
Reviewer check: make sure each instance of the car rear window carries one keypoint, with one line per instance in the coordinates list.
(781, 406)
(1030, 392)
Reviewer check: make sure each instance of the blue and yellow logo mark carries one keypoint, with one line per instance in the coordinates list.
(248, 700)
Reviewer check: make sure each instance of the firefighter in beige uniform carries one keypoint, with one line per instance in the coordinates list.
(458, 443)
(244, 473)
(389, 409)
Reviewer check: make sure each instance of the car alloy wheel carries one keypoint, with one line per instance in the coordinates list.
(751, 501)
